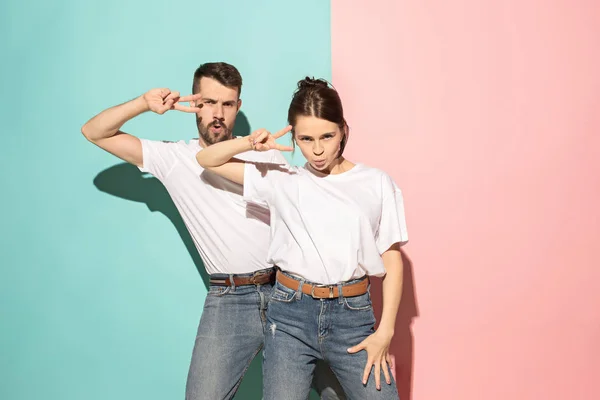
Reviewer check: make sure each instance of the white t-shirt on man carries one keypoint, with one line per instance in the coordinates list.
(231, 235)
(328, 228)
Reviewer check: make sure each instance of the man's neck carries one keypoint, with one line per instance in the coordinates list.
(203, 144)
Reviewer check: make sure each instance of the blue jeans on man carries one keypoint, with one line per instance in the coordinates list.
(230, 334)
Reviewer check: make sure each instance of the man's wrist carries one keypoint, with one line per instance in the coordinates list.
(140, 104)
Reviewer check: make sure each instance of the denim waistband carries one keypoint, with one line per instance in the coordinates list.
(247, 274)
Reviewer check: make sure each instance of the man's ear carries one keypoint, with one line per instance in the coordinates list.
(239, 105)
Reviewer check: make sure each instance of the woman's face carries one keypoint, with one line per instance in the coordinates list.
(319, 140)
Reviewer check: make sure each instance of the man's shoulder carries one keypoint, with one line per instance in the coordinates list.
(172, 145)
(181, 142)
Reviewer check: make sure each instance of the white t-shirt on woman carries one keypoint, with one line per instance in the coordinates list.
(230, 235)
(328, 228)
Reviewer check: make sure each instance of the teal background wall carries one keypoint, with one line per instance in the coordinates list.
(100, 293)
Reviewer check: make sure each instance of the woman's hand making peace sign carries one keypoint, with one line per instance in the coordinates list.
(263, 140)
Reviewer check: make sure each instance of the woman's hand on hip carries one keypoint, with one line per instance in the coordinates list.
(377, 346)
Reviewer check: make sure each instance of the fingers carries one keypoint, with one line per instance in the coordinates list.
(189, 109)
(257, 133)
(282, 132)
(377, 375)
(258, 146)
(263, 140)
(172, 96)
(262, 147)
(281, 147)
(391, 360)
(255, 139)
(191, 97)
(386, 371)
(164, 92)
(366, 372)
(165, 107)
(357, 348)
(264, 134)
(185, 99)
(258, 140)
(170, 100)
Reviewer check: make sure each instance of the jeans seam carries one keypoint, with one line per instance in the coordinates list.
(263, 303)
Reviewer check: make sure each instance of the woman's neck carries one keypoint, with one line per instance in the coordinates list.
(339, 166)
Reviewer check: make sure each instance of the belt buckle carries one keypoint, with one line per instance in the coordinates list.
(254, 276)
(312, 291)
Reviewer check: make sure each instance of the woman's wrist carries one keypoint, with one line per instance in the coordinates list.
(386, 331)
(250, 141)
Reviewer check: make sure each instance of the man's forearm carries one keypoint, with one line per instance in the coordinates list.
(108, 122)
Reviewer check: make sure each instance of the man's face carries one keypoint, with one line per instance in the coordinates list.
(218, 108)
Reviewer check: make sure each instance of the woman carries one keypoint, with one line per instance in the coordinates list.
(333, 223)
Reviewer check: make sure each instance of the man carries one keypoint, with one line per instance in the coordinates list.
(230, 235)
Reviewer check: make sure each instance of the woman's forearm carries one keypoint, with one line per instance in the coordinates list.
(392, 290)
(220, 153)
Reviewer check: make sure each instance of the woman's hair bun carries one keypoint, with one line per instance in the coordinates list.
(312, 83)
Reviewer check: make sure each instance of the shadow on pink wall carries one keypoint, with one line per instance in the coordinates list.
(402, 348)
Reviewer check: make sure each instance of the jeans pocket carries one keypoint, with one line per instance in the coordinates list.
(214, 290)
(282, 293)
(359, 303)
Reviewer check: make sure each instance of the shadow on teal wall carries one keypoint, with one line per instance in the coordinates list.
(125, 181)
(100, 294)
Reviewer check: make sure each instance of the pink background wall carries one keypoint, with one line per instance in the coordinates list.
(487, 115)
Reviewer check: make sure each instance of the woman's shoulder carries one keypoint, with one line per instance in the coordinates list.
(371, 172)
(378, 177)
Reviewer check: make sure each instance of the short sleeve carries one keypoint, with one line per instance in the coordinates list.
(392, 225)
(159, 157)
(261, 180)
(278, 158)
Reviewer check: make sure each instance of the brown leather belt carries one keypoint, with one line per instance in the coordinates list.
(325, 291)
(258, 278)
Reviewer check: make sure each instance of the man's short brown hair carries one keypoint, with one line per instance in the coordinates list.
(226, 74)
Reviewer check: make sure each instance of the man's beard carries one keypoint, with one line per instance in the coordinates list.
(207, 137)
